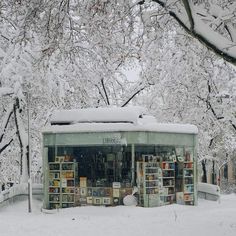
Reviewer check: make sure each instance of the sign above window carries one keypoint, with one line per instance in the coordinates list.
(112, 140)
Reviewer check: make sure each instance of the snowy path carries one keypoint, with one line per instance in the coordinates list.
(208, 218)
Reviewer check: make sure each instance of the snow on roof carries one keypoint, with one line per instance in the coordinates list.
(98, 115)
(111, 119)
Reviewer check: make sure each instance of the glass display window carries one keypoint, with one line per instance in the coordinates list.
(101, 165)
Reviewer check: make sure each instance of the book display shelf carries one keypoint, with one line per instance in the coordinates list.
(149, 181)
(100, 195)
(162, 179)
(166, 179)
(188, 179)
(61, 186)
(168, 170)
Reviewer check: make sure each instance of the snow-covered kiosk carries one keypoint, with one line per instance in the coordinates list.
(97, 156)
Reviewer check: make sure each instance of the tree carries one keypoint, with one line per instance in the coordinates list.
(12, 121)
(72, 54)
(213, 23)
(59, 66)
(192, 86)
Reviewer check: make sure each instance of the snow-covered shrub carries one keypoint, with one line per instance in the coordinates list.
(228, 187)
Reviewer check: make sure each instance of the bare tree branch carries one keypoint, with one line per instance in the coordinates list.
(136, 93)
(16, 107)
(6, 145)
(6, 124)
(189, 13)
(105, 91)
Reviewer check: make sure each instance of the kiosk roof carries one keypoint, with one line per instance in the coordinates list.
(111, 119)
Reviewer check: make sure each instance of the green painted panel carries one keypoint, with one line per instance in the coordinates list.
(116, 138)
(160, 138)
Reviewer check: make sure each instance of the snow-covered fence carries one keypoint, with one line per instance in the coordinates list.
(15, 190)
(228, 186)
(37, 189)
(37, 178)
(19, 189)
(208, 191)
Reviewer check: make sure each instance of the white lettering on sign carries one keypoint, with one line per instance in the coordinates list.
(112, 140)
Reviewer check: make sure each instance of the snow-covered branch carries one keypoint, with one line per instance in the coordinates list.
(199, 27)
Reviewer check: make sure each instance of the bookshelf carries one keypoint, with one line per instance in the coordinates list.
(168, 193)
(149, 180)
(61, 187)
(188, 182)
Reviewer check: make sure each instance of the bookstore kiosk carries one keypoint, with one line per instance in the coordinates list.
(97, 156)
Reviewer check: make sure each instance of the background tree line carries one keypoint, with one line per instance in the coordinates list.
(76, 54)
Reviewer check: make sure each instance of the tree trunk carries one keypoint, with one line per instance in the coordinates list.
(213, 173)
(16, 106)
(3, 147)
(204, 176)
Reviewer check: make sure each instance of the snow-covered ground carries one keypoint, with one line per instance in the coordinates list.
(208, 218)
